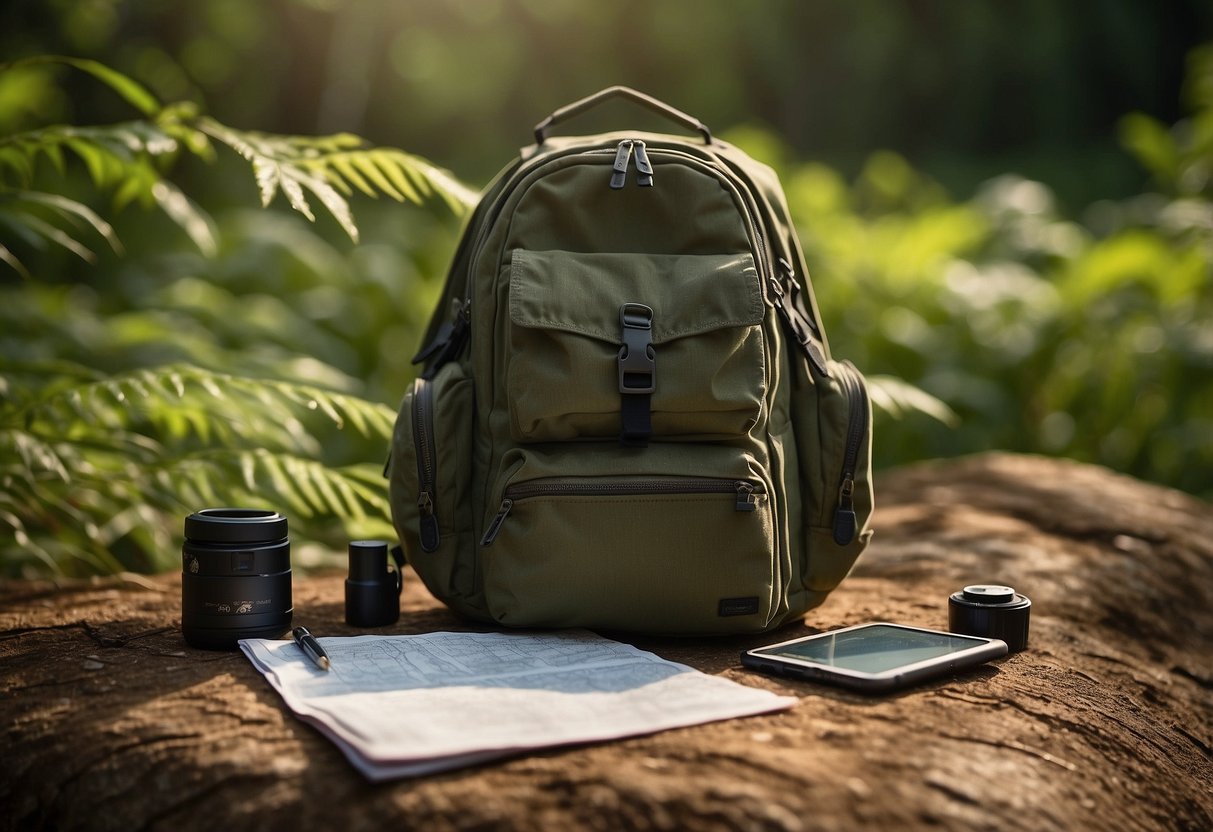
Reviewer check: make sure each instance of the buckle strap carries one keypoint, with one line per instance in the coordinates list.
(787, 299)
(637, 374)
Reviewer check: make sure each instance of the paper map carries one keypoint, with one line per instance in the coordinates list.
(400, 706)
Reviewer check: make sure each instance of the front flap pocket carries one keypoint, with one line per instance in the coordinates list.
(705, 364)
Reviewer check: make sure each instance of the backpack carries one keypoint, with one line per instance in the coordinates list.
(628, 417)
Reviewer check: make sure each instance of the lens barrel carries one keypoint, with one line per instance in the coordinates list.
(235, 576)
(372, 591)
(991, 611)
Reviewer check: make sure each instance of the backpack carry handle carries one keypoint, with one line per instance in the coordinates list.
(647, 101)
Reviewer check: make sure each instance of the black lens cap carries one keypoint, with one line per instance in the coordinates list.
(235, 525)
(991, 611)
(988, 593)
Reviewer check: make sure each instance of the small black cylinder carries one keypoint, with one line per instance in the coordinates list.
(372, 591)
(235, 576)
(991, 611)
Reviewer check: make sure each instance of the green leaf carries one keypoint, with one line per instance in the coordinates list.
(54, 154)
(1152, 144)
(302, 477)
(14, 222)
(131, 90)
(70, 209)
(294, 194)
(268, 177)
(11, 260)
(371, 165)
(196, 223)
(396, 173)
(344, 165)
(335, 203)
(103, 168)
(898, 398)
(18, 159)
(329, 166)
(58, 236)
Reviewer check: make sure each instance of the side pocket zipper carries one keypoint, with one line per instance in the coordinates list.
(748, 494)
(857, 425)
(423, 439)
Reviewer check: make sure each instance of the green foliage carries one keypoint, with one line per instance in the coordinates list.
(331, 167)
(119, 410)
(1180, 158)
(189, 381)
(1043, 334)
(130, 157)
(95, 464)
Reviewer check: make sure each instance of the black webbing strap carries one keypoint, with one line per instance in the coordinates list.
(637, 374)
(786, 295)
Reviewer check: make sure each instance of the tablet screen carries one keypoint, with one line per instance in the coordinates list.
(873, 649)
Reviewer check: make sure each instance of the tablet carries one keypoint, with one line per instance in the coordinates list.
(874, 657)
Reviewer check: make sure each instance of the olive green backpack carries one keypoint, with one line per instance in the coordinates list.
(628, 417)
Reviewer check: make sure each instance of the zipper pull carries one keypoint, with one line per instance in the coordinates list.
(620, 169)
(844, 515)
(644, 170)
(430, 537)
(747, 500)
(490, 534)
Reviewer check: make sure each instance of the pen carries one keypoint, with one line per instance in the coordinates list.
(311, 648)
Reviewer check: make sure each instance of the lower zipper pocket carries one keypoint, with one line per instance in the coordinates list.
(857, 436)
(748, 495)
(837, 421)
(659, 554)
(428, 473)
(423, 443)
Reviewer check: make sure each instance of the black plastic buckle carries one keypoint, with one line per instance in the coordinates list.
(637, 367)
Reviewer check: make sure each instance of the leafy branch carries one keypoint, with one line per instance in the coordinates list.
(332, 167)
(132, 158)
(91, 462)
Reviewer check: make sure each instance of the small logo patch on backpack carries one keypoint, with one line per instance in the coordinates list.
(737, 606)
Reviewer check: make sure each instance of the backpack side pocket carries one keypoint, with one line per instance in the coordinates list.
(428, 483)
(834, 435)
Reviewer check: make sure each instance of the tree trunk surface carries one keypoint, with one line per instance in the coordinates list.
(1106, 721)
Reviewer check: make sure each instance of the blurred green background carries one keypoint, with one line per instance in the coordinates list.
(1007, 211)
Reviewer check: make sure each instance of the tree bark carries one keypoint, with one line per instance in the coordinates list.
(112, 722)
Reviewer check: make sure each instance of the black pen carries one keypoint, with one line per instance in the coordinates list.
(311, 648)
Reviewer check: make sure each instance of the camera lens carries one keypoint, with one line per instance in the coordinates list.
(235, 576)
(372, 591)
(991, 611)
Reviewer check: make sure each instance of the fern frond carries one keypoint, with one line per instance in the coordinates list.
(131, 90)
(106, 151)
(333, 167)
(120, 156)
(19, 208)
(196, 223)
(94, 466)
(221, 399)
(324, 168)
(402, 176)
(37, 232)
